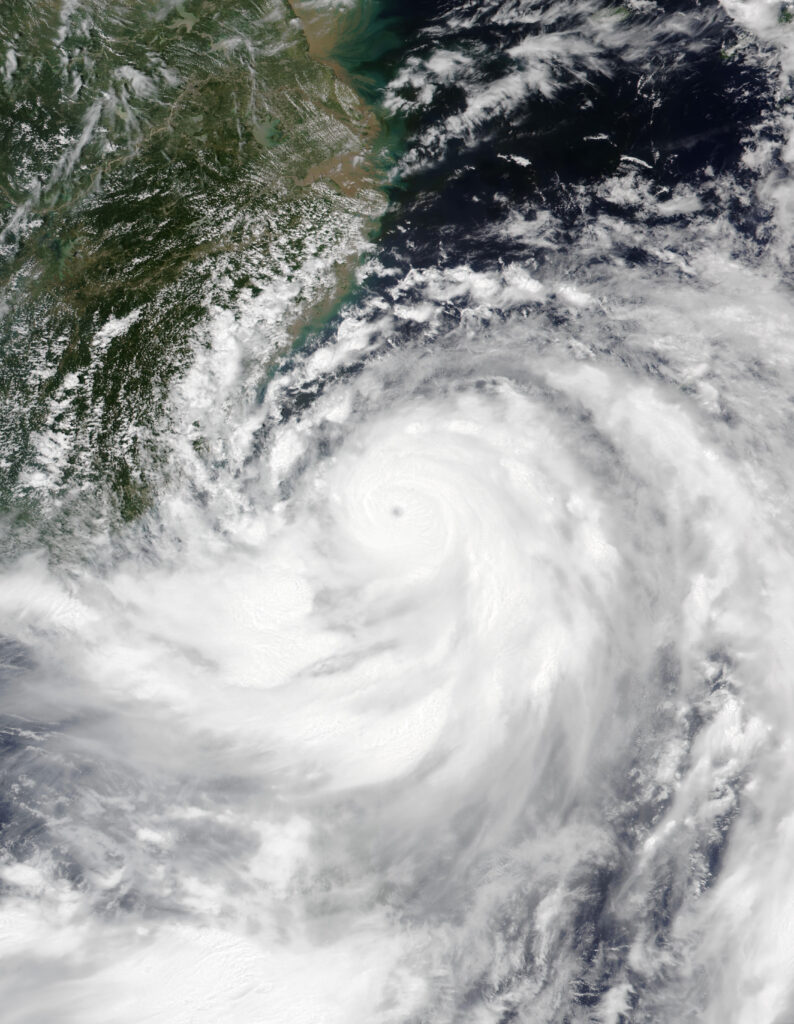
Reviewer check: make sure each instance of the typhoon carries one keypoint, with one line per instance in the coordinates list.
(397, 574)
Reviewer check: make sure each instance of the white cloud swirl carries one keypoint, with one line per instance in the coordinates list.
(461, 691)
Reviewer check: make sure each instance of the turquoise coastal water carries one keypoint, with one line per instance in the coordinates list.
(161, 165)
(395, 622)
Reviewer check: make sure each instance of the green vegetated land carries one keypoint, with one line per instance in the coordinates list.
(158, 160)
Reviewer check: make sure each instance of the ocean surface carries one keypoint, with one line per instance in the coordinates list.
(396, 512)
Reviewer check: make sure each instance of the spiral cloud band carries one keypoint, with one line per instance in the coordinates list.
(502, 661)
(456, 684)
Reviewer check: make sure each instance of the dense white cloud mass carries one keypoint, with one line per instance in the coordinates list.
(461, 691)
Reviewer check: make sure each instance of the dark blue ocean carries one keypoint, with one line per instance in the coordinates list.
(398, 579)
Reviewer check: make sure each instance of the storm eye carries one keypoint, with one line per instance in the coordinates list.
(397, 511)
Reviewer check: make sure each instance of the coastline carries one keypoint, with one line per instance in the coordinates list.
(194, 225)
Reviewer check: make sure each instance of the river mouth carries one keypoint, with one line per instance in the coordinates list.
(396, 596)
